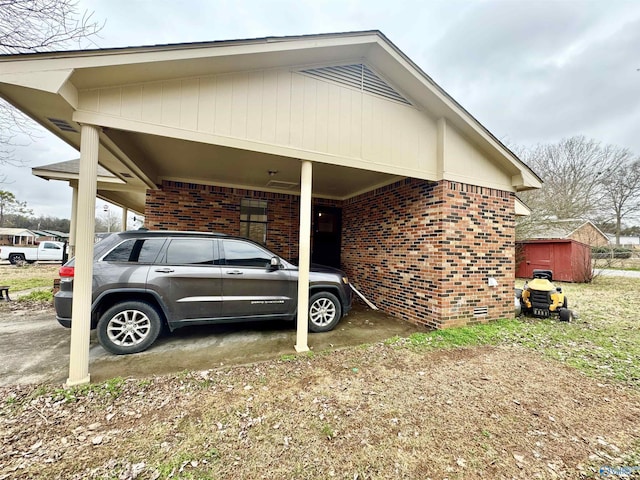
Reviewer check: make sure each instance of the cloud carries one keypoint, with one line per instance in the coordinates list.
(530, 71)
(540, 71)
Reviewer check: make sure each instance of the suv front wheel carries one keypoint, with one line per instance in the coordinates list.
(129, 327)
(324, 312)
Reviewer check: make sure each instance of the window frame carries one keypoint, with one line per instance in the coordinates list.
(254, 203)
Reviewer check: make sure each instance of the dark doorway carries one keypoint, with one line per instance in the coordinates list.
(327, 231)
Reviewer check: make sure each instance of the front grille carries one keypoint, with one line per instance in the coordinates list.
(540, 299)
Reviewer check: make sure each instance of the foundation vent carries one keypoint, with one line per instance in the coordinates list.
(481, 311)
(357, 76)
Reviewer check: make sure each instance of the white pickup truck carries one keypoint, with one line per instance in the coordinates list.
(45, 251)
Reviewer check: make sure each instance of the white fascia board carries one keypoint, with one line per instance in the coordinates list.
(150, 54)
(49, 175)
(51, 81)
(521, 209)
(458, 116)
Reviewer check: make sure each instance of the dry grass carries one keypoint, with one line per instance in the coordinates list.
(511, 399)
(28, 276)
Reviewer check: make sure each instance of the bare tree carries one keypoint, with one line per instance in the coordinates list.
(574, 171)
(29, 26)
(571, 172)
(621, 188)
(109, 220)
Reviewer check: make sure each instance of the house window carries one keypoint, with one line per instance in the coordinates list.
(253, 220)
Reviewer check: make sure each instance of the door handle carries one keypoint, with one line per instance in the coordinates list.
(164, 270)
(234, 272)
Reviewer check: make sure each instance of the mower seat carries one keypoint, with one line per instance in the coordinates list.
(545, 274)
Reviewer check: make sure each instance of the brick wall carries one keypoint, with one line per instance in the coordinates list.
(424, 251)
(420, 251)
(207, 208)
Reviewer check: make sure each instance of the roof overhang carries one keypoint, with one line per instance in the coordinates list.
(45, 86)
(109, 186)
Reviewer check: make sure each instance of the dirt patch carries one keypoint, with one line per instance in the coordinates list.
(374, 412)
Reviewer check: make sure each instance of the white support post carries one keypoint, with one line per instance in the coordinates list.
(74, 220)
(85, 227)
(304, 256)
(125, 212)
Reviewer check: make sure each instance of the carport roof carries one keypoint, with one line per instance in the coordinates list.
(109, 186)
(46, 86)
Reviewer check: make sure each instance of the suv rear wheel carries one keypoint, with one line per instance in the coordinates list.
(129, 327)
(324, 312)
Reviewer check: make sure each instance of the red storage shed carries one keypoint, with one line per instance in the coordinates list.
(569, 260)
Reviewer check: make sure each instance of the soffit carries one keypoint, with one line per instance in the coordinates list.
(194, 162)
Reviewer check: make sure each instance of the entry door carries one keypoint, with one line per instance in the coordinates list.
(327, 233)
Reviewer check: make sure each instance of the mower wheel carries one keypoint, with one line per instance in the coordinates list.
(565, 314)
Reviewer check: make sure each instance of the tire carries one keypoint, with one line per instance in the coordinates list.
(144, 326)
(16, 258)
(325, 312)
(565, 315)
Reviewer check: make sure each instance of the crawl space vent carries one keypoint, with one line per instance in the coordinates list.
(62, 125)
(281, 185)
(481, 311)
(357, 76)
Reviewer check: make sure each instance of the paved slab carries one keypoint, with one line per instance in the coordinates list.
(36, 348)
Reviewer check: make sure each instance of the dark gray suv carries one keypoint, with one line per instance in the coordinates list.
(144, 280)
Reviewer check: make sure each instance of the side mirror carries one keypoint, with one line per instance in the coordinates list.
(275, 263)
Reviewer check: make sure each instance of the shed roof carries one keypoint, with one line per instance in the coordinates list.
(558, 229)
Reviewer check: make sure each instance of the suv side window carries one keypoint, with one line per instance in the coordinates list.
(190, 251)
(141, 251)
(244, 254)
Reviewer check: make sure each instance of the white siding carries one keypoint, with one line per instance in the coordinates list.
(282, 108)
(465, 163)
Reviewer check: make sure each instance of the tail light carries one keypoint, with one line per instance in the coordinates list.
(67, 272)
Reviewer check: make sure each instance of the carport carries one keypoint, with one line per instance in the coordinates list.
(342, 121)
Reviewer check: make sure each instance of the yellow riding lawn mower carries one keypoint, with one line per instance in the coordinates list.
(542, 299)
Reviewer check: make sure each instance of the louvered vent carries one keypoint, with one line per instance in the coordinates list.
(357, 76)
(63, 125)
(480, 311)
(281, 185)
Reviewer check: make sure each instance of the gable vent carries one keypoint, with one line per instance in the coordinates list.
(357, 76)
(481, 311)
(62, 125)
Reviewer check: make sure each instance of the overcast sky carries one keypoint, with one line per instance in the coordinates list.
(530, 71)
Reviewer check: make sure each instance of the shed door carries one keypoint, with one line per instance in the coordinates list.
(540, 256)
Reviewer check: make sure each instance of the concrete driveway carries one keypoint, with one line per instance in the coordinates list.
(35, 348)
